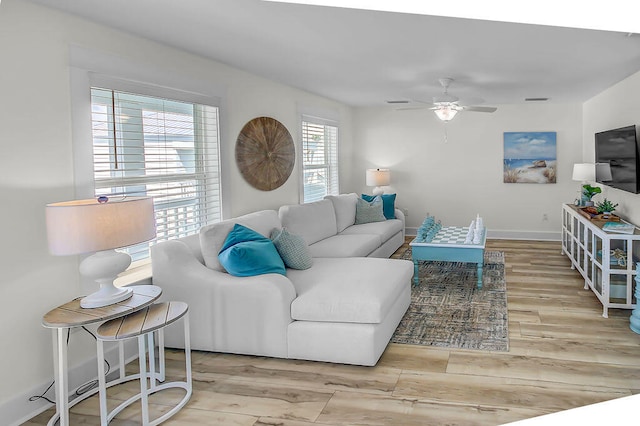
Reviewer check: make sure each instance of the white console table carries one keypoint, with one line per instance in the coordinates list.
(590, 250)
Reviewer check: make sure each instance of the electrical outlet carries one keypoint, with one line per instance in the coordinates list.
(545, 217)
(406, 212)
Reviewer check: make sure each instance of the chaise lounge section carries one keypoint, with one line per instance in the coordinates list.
(342, 309)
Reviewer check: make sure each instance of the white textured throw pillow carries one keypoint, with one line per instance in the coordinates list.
(367, 212)
(292, 248)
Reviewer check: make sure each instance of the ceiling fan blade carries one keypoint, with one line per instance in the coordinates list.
(480, 108)
(410, 108)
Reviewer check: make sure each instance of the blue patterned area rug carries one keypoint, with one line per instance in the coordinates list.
(448, 310)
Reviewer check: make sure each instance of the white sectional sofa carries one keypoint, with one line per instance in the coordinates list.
(343, 309)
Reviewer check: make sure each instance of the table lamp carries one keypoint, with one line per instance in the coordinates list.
(100, 226)
(378, 178)
(583, 172)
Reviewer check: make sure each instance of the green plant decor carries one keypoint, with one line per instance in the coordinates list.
(606, 206)
(589, 191)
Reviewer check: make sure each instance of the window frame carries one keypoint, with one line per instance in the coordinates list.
(92, 69)
(176, 217)
(333, 168)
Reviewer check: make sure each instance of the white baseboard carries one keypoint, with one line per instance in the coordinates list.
(524, 235)
(510, 235)
(19, 409)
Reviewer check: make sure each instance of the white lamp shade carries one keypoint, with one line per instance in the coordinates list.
(84, 226)
(603, 172)
(584, 172)
(378, 177)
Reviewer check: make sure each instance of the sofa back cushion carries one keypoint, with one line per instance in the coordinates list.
(312, 221)
(345, 208)
(212, 237)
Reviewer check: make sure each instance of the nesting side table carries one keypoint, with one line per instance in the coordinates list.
(141, 325)
(71, 315)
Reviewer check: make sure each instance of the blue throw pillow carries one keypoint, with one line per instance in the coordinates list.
(388, 204)
(246, 253)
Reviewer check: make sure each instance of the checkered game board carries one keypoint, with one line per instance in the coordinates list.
(451, 235)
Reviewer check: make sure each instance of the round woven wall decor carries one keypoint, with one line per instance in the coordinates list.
(265, 153)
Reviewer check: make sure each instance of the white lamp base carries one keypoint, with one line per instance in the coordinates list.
(104, 267)
(377, 190)
(107, 295)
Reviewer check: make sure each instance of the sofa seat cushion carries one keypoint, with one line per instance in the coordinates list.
(352, 290)
(346, 246)
(312, 221)
(384, 230)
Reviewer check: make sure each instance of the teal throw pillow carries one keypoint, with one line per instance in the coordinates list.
(246, 253)
(367, 212)
(293, 249)
(388, 204)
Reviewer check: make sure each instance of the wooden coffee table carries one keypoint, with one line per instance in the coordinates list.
(449, 245)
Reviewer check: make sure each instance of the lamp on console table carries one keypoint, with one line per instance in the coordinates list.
(589, 172)
(378, 178)
(583, 172)
(100, 226)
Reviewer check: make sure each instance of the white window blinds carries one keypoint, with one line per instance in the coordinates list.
(165, 149)
(319, 158)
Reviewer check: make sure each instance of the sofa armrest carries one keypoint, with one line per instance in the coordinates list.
(248, 315)
(400, 216)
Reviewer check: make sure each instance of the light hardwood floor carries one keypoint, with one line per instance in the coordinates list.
(563, 354)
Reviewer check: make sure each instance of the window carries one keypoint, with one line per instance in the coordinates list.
(319, 158)
(165, 149)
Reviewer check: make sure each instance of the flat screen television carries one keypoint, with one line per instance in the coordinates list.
(619, 148)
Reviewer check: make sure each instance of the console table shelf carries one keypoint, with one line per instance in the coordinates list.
(605, 259)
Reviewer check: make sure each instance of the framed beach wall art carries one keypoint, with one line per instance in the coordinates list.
(530, 157)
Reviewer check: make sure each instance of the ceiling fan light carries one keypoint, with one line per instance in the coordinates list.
(446, 112)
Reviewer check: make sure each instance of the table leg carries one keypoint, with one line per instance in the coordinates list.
(144, 394)
(416, 278)
(60, 376)
(480, 264)
(153, 375)
(102, 385)
(121, 359)
(161, 354)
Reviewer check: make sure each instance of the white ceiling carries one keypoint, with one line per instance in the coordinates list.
(363, 57)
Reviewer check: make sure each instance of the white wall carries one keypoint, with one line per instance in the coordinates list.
(456, 180)
(36, 165)
(617, 106)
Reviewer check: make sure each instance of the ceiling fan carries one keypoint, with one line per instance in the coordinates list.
(446, 106)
